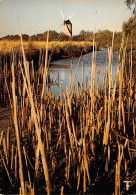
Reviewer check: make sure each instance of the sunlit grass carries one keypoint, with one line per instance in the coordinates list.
(7, 46)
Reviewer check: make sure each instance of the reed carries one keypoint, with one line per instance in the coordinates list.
(17, 133)
(72, 143)
(38, 129)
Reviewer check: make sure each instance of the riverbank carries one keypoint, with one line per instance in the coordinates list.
(58, 50)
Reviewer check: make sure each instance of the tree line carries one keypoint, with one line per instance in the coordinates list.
(102, 37)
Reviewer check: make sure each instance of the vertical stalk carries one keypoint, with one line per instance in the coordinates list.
(17, 133)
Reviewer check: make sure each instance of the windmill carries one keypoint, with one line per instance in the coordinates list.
(67, 25)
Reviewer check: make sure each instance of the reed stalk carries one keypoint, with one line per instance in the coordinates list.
(38, 129)
(17, 132)
(10, 179)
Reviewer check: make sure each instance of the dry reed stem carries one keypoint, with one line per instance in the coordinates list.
(5, 149)
(37, 161)
(123, 114)
(6, 169)
(70, 75)
(15, 169)
(1, 137)
(17, 132)
(84, 180)
(45, 73)
(68, 123)
(71, 89)
(120, 98)
(8, 93)
(12, 156)
(8, 143)
(85, 161)
(30, 183)
(38, 129)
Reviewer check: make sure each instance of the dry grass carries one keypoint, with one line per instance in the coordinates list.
(7, 46)
(68, 144)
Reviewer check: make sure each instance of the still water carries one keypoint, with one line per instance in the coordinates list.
(62, 75)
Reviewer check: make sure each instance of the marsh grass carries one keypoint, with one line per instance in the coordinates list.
(30, 46)
(75, 143)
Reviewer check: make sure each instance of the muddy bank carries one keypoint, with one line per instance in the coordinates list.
(38, 56)
(70, 51)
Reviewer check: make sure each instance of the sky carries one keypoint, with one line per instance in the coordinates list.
(36, 16)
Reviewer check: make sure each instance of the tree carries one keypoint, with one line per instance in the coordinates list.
(85, 32)
(53, 35)
(131, 4)
(129, 27)
(25, 37)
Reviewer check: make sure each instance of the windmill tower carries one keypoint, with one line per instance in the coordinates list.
(67, 25)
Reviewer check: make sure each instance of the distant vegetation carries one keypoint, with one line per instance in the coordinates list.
(129, 29)
(131, 5)
(103, 38)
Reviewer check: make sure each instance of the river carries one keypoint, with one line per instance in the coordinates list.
(62, 75)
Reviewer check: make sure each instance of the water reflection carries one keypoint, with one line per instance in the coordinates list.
(63, 75)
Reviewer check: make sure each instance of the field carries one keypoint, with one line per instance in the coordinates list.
(59, 49)
(83, 141)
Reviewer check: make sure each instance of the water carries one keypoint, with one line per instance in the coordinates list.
(62, 76)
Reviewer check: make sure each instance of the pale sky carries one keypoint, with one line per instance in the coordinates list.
(36, 15)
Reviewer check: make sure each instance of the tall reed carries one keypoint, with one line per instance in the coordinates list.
(72, 143)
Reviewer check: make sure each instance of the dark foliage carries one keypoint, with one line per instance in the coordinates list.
(104, 39)
(131, 4)
(129, 29)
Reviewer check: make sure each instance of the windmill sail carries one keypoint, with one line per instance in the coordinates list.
(67, 25)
